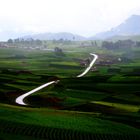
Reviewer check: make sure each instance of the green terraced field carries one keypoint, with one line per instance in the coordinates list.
(40, 124)
(104, 104)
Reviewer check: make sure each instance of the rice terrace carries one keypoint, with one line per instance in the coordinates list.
(69, 70)
(102, 104)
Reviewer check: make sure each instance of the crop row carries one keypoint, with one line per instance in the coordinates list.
(41, 132)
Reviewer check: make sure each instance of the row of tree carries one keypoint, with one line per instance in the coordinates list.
(25, 41)
(120, 44)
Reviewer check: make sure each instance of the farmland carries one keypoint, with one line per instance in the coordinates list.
(104, 104)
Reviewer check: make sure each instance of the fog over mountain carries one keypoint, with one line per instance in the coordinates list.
(57, 36)
(87, 18)
(5, 35)
(129, 27)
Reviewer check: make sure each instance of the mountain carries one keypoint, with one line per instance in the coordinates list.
(129, 27)
(5, 35)
(56, 36)
(133, 37)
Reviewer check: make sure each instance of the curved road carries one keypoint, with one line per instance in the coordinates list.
(90, 65)
(20, 100)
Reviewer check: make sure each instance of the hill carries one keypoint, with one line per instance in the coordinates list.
(130, 27)
(56, 36)
(116, 38)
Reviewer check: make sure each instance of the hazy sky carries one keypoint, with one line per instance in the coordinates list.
(85, 17)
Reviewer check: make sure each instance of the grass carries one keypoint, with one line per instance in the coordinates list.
(22, 70)
(87, 95)
(62, 119)
(125, 107)
(119, 87)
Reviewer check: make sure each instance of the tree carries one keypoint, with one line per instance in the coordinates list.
(138, 44)
(95, 43)
(120, 44)
(73, 37)
(17, 40)
(9, 41)
(58, 51)
(107, 45)
(38, 42)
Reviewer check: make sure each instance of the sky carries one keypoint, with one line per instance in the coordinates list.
(84, 17)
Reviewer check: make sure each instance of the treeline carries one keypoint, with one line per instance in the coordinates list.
(25, 41)
(120, 44)
(22, 40)
(63, 41)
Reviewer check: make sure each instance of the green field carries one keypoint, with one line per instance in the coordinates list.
(104, 104)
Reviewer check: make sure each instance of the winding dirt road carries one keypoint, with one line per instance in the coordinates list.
(20, 100)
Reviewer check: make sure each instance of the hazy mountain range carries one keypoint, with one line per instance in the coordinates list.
(56, 36)
(130, 27)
